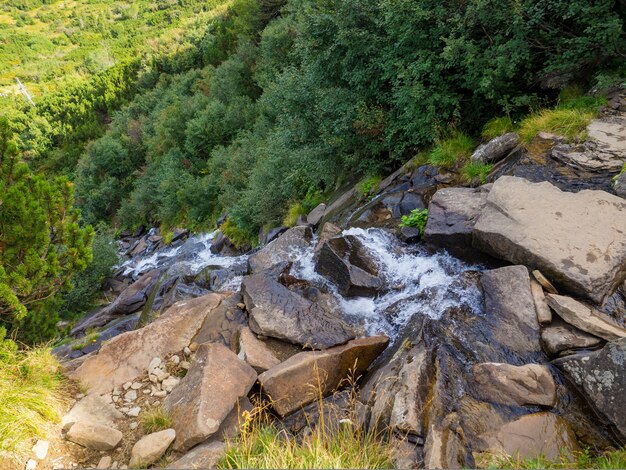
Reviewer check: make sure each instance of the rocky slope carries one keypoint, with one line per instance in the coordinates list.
(515, 346)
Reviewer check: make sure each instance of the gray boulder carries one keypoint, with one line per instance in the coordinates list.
(350, 266)
(578, 240)
(601, 376)
(619, 185)
(496, 149)
(284, 248)
(315, 216)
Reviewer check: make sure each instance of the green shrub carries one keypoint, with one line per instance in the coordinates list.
(32, 391)
(452, 151)
(239, 237)
(568, 123)
(416, 219)
(476, 172)
(497, 127)
(368, 185)
(295, 210)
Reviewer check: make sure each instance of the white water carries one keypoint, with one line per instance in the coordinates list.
(418, 282)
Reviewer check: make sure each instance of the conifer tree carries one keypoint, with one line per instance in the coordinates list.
(41, 243)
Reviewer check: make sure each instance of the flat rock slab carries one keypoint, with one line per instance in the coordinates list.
(584, 317)
(277, 312)
(92, 409)
(94, 436)
(560, 337)
(530, 384)
(532, 436)
(151, 448)
(128, 355)
(256, 352)
(287, 247)
(207, 394)
(601, 376)
(302, 378)
(578, 240)
(201, 457)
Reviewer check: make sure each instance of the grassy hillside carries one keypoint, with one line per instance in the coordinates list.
(50, 44)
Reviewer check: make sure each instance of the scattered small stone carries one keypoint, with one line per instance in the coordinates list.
(187, 351)
(146, 391)
(151, 448)
(130, 396)
(153, 378)
(124, 409)
(134, 425)
(156, 402)
(193, 347)
(160, 394)
(31, 464)
(127, 385)
(170, 383)
(161, 375)
(154, 363)
(136, 385)
(185, 365)
(40, 449)
(134, 412)
(114, 465)
(115, 398)
(175, 360)
(80, 396)
(105, 462)
(541, 279)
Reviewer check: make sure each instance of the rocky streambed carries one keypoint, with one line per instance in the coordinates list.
(501, 331)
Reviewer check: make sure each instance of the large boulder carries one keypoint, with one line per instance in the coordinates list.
(530, 384)
(256, 352)
(151, 448)
(578, 240)
(94, 436)
(92, 409)
(532, 436)
(132, 299)
(601, 377)
(128, 355)
(277, 312)
(302, 378)
(585, 317)
(452, 214)
(287, 247)
(201, 457)
(202, 401)
(561, 338)
(496, 149)
(350, 265)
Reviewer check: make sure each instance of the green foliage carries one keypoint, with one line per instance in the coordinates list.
(417, 219)
(476, 172)
(368, 185)
(295, 210)
(497, 127)
(238, 236)
(90, 337)
(568, 123)
(31, 398)
(155, 419)
(87, 286)
(41, 243)
(452, 151)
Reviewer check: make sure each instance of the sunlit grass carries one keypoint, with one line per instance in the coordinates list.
(615, 459)
(452, 151)
(155, 419)
(568, 123)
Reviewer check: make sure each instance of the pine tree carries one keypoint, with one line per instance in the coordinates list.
(41, 243)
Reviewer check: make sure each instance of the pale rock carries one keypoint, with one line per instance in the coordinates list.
(151, 448)
(92, 409)
(105, 462)
(201, 457)
(130, 396)
(175, 360)
(187, 351)
(133, 425)
(136, 385)
(134, 412)
(185, 365)
(31, 464)
(256, 352)
(170, 383)
(94, 436)
(40, 449)
(127, 385)
(544, 315)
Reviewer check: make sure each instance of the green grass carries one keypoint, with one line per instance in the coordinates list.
(155, 419)
(607, 460)
(476, 172)
(91, 337)
(452, 151)
(239, 237)
(497, 127)
(568, 123)
(416, 219)
(295, 210)
(368, 185)
(262, 445)
(32, 400)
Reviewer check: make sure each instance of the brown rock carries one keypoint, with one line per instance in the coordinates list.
(302, 378)
(256, 352)
(92, 409)
(547, 285)
(544, 315)
(201, 457)
(94, 436)
(530, 384)
(151, 448)
(284, 248)
(561, 337)
(128, 355)
(207, 394)
(585, 318)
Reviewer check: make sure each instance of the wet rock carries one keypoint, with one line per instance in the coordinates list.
(201, 457)
(496, 149)
(584, 317)
(207, 394)
(350, 266)
(530, 384)
(94, 436)
(544, 315)
(151, 448)
(222, 245)
(601, 377)
(295, 382)
(328, 231)
(410, 234)
(445, 446)
(130, 300)
(532, 436)
(222, 323)
(604, 149)
(560, 337)
(284, 248)
(577, 239)
(127, 356)
(452, 214)
(277, 312)
(619, 185)
(509, 300)
(315, 216)
(256, 352)
(92, 409)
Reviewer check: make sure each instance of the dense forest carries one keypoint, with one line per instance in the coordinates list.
(176, 113)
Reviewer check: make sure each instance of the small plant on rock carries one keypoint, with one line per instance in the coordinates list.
(476, 172)
(497, 127)
(367, 185)
(450, 152)
(416, 219)
(155, 419)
